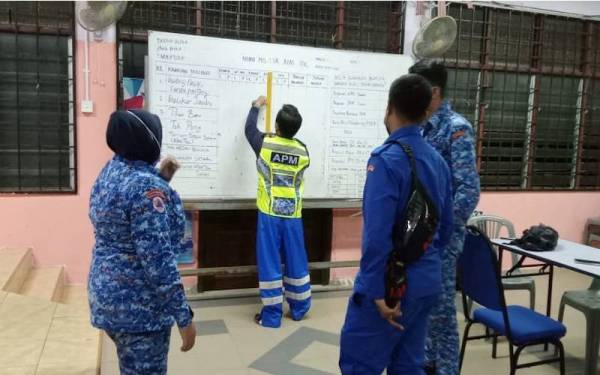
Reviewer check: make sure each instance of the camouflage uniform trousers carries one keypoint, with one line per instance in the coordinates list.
(142, 353)
(442, 343)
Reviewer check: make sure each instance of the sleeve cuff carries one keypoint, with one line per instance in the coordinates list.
(375, 292)
(185, 318)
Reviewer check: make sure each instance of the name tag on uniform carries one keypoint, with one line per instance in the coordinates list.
(281, 158)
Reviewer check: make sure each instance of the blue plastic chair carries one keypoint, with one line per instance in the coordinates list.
(479, 275)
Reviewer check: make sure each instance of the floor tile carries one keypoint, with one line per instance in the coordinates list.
(68, 327)
(75, 310)
(109, 350)
(109, 368)
(211, 327)
(67, 351)
(28, 370)
(20, 352)
(74, 294)
(2, 296)
(14, 328)
(74, 368)
(280, 359)
(300, 344)
(319, 355)
(28, 309)
(216, 352)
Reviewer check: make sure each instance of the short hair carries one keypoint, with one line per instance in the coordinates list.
(288, 121)
(434, 71)
(410, 96)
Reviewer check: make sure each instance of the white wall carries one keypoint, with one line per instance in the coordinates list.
(576, 8)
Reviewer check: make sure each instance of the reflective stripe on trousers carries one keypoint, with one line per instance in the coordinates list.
(281, 240)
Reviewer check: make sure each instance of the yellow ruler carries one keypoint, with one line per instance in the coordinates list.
(268, 114)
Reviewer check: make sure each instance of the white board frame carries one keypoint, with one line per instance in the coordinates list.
(394, 63)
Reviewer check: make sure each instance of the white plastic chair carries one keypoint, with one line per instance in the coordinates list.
(588, 303)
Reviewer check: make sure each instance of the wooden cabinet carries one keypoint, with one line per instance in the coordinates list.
(227, 238)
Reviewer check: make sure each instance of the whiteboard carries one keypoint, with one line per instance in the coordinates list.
(202, 89)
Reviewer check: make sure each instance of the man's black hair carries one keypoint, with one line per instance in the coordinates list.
(288, 121)
(434, 71)
(410, 96)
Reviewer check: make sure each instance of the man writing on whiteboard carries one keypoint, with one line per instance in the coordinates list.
(281, 162)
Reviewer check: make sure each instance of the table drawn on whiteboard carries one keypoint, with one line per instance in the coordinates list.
(202, 87)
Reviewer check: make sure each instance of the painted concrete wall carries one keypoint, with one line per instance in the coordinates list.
(58, 229)
(566, 212)
(57, 226)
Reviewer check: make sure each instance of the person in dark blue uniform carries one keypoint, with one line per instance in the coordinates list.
(376, 337)
(135, 292)
(453, 137)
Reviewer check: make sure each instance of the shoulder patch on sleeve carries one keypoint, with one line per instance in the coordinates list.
(458, 134)
(159, 204)
(153, 193)
(158, 199)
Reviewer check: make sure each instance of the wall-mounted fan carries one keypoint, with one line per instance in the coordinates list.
(98, 15)
(95, 16)
(436, 36)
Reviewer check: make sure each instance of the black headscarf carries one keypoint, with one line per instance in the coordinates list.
(135, 135)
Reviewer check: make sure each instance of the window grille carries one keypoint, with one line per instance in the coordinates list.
(37, 129)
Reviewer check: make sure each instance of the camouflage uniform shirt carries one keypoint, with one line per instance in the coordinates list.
(452, 136)
(134, 284)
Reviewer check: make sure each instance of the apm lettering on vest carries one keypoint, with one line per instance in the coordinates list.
(287, 159)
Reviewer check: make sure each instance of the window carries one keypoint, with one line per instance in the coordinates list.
(504, 136)
(590, 144)
(310, 23)
(529, 83)
(555, 132)
(37, 140)
(372, 26)
(369, 26)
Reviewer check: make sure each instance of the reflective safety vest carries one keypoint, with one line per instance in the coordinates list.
(281, 165)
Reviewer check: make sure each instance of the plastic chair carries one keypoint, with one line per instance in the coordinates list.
(588, 302)
(492, 227)
(523, 327)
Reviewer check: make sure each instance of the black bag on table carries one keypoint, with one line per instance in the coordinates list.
(538, 238)
(412, 235)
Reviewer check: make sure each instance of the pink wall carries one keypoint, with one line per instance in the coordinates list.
(57, 226)
(567, 212)
(58, 229)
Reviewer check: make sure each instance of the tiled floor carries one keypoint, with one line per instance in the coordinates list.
(46, 338)
(229, 343)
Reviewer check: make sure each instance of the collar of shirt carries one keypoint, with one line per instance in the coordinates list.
(436, 118)
(137, 164)
(404, 132)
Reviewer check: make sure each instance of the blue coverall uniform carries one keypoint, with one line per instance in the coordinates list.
(135, 292)
(277, 239)
(370, 344)
(452, 136)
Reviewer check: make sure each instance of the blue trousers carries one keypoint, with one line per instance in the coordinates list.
(442, 344)
(281, 240)
(370, 344)
(142, 353)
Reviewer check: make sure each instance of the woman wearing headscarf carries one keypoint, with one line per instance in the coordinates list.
(135, 291)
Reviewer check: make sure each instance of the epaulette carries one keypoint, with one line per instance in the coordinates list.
(381, 148)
